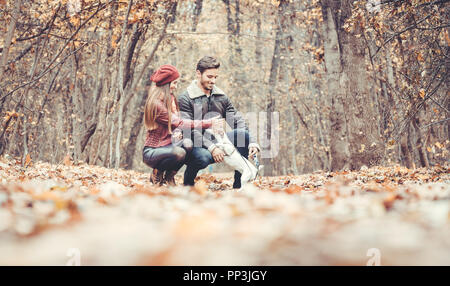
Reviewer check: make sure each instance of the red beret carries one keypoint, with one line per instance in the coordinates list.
(164, 75)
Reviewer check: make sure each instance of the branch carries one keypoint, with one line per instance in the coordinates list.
(73, 35)
(150, 58)
(47, 26)
(50, 86)
(49, 67)
(299, 115)
(21, 55)
(220, 33)
(88, 135)
(399, 33)
(130, 52)
(437, 122)
(433, 3)
(434, 28)
(44, 73)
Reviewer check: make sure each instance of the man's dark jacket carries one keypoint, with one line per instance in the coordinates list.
(195, 105)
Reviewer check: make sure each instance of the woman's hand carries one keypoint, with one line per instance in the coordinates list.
(217, 124)
(177, 134)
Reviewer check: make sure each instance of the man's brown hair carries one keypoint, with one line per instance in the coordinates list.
(207, 62)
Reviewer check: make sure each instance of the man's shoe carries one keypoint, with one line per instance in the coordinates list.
(169, 178)
(237, 180)
(157, 177)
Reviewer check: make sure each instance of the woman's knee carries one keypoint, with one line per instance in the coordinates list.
(147, 158)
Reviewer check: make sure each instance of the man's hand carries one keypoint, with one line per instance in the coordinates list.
(252, 151)
(218, 154)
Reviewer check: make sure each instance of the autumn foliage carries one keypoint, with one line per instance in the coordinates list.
(116, 217)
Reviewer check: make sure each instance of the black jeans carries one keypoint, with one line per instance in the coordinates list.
(168, 158)
(200, 157)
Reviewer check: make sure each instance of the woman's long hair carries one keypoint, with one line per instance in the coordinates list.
(150, 112)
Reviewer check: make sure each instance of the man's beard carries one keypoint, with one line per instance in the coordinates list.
(205, 85)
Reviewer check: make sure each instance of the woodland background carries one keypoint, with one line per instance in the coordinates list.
(355, 82)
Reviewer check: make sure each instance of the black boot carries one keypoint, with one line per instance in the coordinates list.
(237, 180)
(169, 178)
(157, 177)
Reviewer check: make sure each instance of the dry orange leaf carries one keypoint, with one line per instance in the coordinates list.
(27, 160)
(201, 187)
(93, 190)
(292, 189)
(447, 37)
(58, 188)
(68, 160)
(47, 196)
(420, 57)
(75, 20)
(389, 201)
(422, 93)
(275, 190)
(102, 201)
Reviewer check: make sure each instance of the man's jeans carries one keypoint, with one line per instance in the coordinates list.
(200, 157)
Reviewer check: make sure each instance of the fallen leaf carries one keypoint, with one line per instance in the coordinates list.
(200, 187)
(27, 160)
(68, 160)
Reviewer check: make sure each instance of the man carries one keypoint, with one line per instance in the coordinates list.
(203, 99)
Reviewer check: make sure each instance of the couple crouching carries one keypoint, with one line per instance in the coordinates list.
(171, 124)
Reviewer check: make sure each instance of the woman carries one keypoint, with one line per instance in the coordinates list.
(161, 118)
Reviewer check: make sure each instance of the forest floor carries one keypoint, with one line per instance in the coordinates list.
(52, 214)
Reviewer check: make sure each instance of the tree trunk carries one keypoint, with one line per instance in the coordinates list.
(9, 36)
(197, 12)
(420, 141)
(76, 112)
(289, 139)
(407, 156)
(268, 158)
(339, 144)
(355, 105)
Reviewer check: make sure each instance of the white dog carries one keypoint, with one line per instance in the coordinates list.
(233, 158)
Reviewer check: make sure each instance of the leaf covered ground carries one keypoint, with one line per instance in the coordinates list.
(116, 217)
